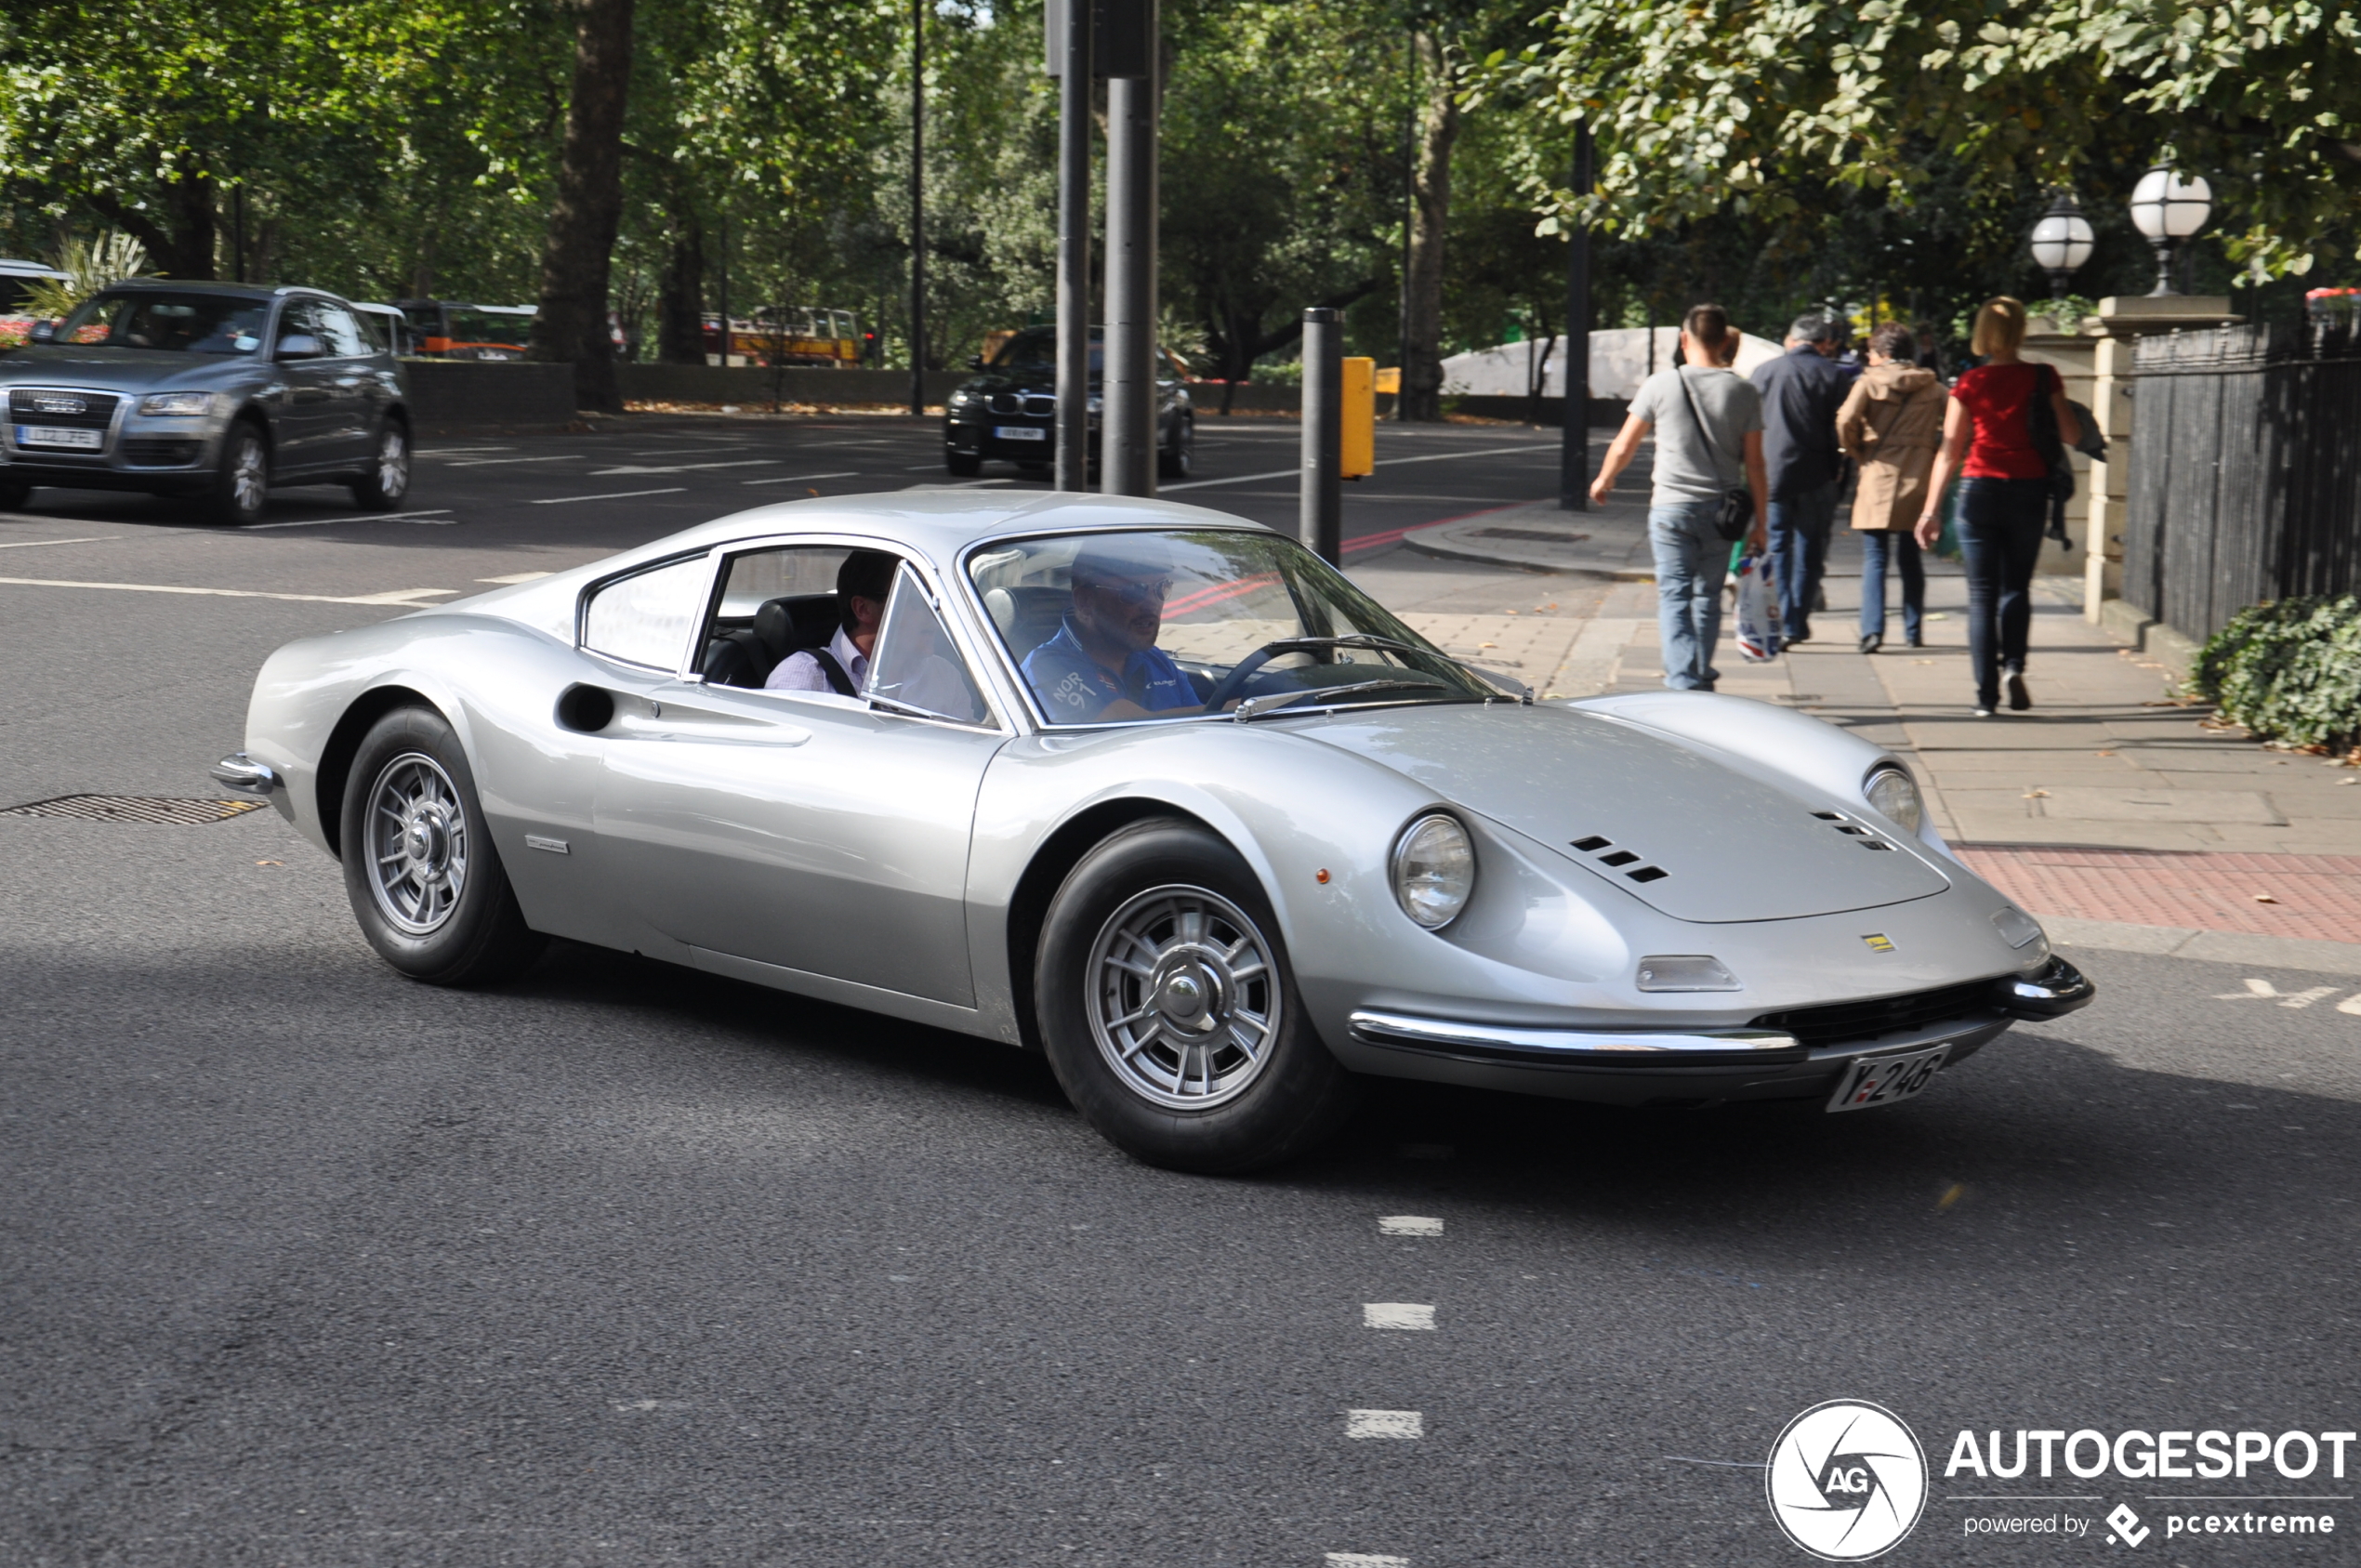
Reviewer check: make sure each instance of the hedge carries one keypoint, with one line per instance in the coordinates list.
(2289, 671)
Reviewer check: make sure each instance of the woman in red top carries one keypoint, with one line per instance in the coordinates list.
(2004, 489)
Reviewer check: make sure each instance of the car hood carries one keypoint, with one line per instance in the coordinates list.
(121, 369)
(1733, 845)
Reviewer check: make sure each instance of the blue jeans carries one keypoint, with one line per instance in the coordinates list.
(1799, 552)
(1692, 560)
(1877, 547)
(2001, 523)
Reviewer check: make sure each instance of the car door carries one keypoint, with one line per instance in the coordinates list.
(346, 437)
(812, 834)
(304, 412)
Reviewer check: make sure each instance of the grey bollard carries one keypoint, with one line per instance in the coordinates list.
(1320, 518)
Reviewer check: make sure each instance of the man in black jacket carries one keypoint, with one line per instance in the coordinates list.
(1802, 391)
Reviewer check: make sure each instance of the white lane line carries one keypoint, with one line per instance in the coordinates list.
(1366, 1560)
(395, 596)
(1409, 1225)
(489, 462)
(1383, 463)
(798, 479)
(690, 450)
(460, 451)
(429, 519)
(683, 467)
(1396, 1314)
(515, 577)
(616, 495)
(28, 543)
(1384, 1423)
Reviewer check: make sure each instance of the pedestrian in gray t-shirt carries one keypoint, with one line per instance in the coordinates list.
(1707, 423)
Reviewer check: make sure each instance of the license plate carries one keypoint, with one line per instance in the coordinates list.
(53, 434)
(1019, 432)
(1884, 1080)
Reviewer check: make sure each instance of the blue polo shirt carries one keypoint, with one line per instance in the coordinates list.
(1074, 687)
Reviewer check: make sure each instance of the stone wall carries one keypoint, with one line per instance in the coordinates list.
(457, 395)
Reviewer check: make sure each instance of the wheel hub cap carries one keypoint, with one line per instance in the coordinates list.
(418, 843)
(1184, 998)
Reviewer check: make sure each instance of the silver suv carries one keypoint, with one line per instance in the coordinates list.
(215, 391)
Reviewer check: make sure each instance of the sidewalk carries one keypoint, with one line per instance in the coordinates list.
(2106, 808)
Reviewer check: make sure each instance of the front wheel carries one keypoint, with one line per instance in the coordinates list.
(242, 480)
(381, 487)
(419, 868)
(1169, 1012)
(963, 465)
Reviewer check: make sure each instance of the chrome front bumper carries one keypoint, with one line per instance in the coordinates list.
(243, 774)
(1542, 1047)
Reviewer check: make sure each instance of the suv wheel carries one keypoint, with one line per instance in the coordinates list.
(386, 480)
(966, 464)
(242, 480)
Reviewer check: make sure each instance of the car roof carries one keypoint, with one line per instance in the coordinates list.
(191, 285)
(16, 268)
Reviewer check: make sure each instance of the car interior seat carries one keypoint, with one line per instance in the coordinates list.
(746, 655)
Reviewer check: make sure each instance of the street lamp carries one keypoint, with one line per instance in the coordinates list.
(2061, 242)
(2168, 208)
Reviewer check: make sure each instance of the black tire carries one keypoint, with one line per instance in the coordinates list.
(963, 463)
(14, 494)
(475, 933)
(385, 482)
(1177, 460)
(1296, 1096)
(240, 477)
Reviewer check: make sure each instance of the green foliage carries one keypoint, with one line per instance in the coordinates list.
(91, 265)
(2289, 671)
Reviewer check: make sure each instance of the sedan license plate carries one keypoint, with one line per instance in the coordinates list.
(1884, 1080)
(1019, 432)
(54, 435)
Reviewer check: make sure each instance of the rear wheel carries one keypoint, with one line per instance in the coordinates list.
(242, 479)
(419, 868)
(1169, 1012)
(386, 480)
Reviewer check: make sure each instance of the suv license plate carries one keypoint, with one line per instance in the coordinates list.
(1020, 432)
(54, 435)
(1883, 1080)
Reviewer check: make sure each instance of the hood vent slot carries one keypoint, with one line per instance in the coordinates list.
(1867, 837)
(1593, 844)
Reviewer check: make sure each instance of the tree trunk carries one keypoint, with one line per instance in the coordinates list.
(1430, 220)
(681, 302)
(181, 245)
(576, 258)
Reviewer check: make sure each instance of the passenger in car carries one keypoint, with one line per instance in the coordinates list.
(864, 584)
(1105, 663)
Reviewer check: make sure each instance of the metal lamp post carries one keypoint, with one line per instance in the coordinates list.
(2062, 242)
(2168, 207)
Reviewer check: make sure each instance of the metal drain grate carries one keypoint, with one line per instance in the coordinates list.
(134, 809)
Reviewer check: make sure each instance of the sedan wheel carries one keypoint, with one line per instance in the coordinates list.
(242, 481)
(419, 869)
(1169, 1011)
(387, 479)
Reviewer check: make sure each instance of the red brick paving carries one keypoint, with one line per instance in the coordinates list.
(2318, 896)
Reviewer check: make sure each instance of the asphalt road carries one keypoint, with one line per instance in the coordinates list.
(305, 1264)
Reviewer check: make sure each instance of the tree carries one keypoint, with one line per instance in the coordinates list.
(575, 262)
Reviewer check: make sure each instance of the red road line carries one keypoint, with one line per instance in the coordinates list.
(1393, 535)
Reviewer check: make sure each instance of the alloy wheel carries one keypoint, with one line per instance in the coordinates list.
(418, 843)
(1184, 1001)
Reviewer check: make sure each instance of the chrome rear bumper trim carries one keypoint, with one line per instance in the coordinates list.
(243, 774)
(1615, 1045)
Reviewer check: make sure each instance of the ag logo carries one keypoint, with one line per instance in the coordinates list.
(1847, 1481)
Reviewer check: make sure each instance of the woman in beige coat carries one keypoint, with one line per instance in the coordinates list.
(1890, 424)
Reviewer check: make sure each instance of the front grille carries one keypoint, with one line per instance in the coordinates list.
(159, 452)
(1844, 1022)
(72, 410)
(134, 809)
(1040, 405)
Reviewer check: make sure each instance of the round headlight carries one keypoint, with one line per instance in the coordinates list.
(1890, 791)
(1433, 870)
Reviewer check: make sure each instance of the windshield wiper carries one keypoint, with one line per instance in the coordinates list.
(1255, 708)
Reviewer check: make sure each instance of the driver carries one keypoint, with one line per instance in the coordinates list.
(1105, 663)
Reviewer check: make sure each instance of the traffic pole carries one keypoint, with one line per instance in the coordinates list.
(1128, 416)
(1573, 443)
(1320, 513)
(1073, 65)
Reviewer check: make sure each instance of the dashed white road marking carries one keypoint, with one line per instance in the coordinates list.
(2351, 1005)
(1366, 1560)
(1384, 1423)
(28, 543)
(798, 479)
(1396, 1314)
(1409, 1225)
(615, 495)
(2263, 991)
(557, 458)
(683, 468)
(395, 596)
(515, 577)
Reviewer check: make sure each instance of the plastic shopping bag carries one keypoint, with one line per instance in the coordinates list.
(1758, 627)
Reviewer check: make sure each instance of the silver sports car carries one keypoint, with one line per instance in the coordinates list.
(1151, 790)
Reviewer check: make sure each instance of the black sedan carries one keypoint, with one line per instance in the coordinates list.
(212, 392)
(1007, 413)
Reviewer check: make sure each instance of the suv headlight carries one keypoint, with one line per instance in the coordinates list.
(1894, 794)
(177, 403)
(1433, 870)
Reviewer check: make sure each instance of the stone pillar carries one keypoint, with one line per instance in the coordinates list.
(2067, 346)
(2124, 321)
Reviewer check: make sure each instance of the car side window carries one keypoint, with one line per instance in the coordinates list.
(296, 317)
(339, 333)
(645, 619)
(918, 668)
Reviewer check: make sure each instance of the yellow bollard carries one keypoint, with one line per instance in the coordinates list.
(1357, 453)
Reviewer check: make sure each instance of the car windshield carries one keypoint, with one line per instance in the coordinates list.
(1150, 627)
(189, 323)
(1038, 350)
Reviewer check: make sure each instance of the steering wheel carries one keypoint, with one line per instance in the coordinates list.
(1229, 686)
